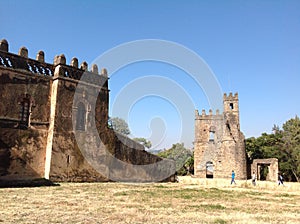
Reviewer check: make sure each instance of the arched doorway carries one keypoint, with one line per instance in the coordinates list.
(209, 170)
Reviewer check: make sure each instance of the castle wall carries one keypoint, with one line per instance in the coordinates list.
(22, 153)
(23, 150)
(67, 160)
(14, 87)
(38, 121)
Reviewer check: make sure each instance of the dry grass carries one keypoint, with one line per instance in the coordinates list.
(189, 201)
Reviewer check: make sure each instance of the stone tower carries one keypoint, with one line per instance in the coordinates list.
(219, 144)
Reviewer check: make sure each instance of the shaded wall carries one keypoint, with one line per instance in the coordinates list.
(22, 148)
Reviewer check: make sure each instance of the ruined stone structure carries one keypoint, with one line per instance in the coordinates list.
(219, 145)
(36, 130)
(272, 166)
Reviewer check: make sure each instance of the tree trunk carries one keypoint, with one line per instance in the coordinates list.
(297, 178)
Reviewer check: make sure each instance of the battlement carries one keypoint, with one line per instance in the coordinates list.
(230, 103)
(230, 97)
(210, 114)
(38, 66)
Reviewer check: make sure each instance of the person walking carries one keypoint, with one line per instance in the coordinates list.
(253, 179)
(232, 177)
(280, 179)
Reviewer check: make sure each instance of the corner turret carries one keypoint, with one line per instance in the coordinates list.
(231, 103)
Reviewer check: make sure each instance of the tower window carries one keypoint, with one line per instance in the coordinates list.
(231, 106)
(81, 117)
(211, 136)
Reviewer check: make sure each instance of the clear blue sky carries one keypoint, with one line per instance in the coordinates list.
(253, 48)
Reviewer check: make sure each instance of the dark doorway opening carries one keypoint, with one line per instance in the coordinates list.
(263, 171)
(209, 170)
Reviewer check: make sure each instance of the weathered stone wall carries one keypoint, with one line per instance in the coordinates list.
(14, 87)
(25, 153)
(67, 160)
(22, 149)
(206, 149)
(218, 140)
(48, 145)
(272, 164)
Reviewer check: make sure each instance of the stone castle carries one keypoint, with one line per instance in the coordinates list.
(40, 124)
(219, 145)
(37, 115)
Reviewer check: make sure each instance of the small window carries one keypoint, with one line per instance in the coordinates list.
(25, 111)
(68, 159)
(231, 106)
(81, 117)
(211, 136)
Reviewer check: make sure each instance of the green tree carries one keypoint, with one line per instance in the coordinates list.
(283, 144)
(144, 142)
(119, 125)
(182, 156)
(189, 165)
(291, 147)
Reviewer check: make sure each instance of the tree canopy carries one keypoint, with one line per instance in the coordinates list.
(119, 125)
(283, 144)
(144, 142)
(182, 156)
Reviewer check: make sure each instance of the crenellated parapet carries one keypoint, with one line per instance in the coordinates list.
(209, 115)
(38, 66)
(230, 97)
(231, 103)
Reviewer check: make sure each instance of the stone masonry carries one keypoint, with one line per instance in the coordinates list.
(37, 114)
(219, 145)
(271, 164)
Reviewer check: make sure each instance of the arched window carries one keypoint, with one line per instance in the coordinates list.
(25, 111)
(81, 117)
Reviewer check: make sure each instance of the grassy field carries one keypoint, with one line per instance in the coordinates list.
(189, 201)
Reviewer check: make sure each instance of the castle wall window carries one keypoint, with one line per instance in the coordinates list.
(211, 136)
(25, 111)
(231, 106)
(68, 160)
(81, 117)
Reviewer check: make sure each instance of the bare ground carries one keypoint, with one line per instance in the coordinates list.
(189, 201)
